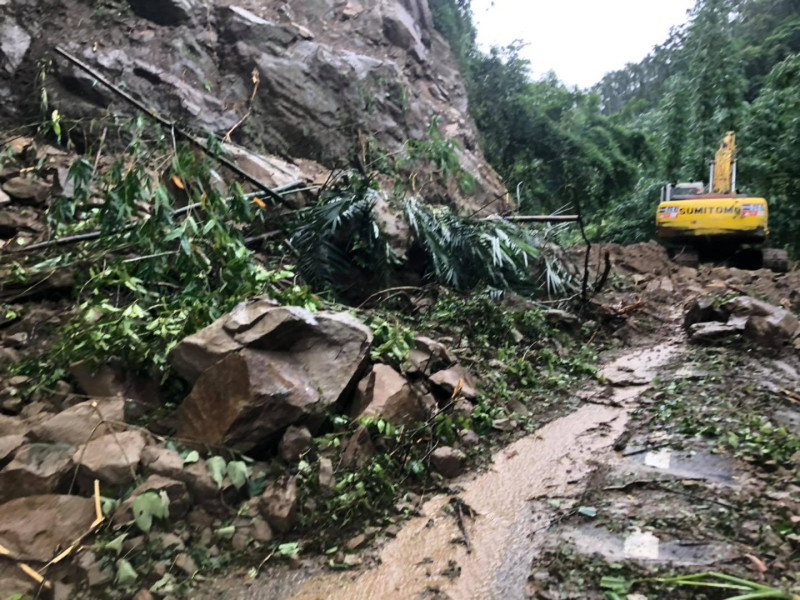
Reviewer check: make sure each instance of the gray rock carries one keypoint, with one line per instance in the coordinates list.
(169, 464)
(9, 445)
(327, 480)
(401, 30)
(14, 44)
(712, 331)
(703, 310)
(165, 12)
(449, 462)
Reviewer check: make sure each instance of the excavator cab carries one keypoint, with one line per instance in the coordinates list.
(716, 222)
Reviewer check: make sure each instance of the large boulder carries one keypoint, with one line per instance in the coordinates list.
(36, 469)
(703, 310)
(764, 323)
(385, 393)
(36, 528)
(283, 368)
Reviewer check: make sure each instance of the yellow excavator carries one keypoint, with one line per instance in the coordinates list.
(717, 223)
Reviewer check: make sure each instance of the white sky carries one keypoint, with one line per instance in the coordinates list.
(581, 40)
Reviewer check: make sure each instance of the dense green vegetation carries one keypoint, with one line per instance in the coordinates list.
(733, 65)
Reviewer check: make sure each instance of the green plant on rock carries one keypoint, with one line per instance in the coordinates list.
(392, 343)
(338, 241)
(164, 265)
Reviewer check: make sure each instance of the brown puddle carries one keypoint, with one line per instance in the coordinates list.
(552, 462)
(502, 534)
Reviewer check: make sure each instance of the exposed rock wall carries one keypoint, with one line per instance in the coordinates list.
(329, 71)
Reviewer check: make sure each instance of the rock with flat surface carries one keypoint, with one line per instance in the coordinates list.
(712, 331)
(36, 528)
(76, 424)
(199, 351)
(385, 393)
(449, 462)
(766, 324)
(449, 379)
(113, 458)
(9, 445)
(36, 469)
(278, 504)
(27, 191)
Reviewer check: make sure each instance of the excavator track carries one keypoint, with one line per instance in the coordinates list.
(775, 259)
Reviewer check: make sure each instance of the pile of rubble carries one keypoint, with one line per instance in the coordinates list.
(265, 379)
(743, 316)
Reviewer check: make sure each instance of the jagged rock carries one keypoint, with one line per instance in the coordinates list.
(12, 425)
(75, 424)
(295, 442)
(242, 24)
(14, 44)
(165, 12)
(277, 329)
(27, 191)
(359, 449)
(703, 310)
(169, 464)
(449, 379)
(179, 502)
(386, 393)
(251, 395)
(401, 29)
(449, 462)
(462, 408)
(712, 331)
(36, 469)
(327, 480)
(428, 356)
(246, 314)
(36, 528)
(766, 324)
(9, 445)
(199, 351)
(278, 504)
(14, 219)
(113, 458)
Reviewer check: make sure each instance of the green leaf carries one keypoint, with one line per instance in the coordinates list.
(148, 506)
(238, 473)
(216, 467)
(225, 533)
(164, 586)
(125, 573)
(290, 549)
(116, 544)
(191, 458)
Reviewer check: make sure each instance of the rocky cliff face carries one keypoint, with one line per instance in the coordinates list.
(330, 73)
